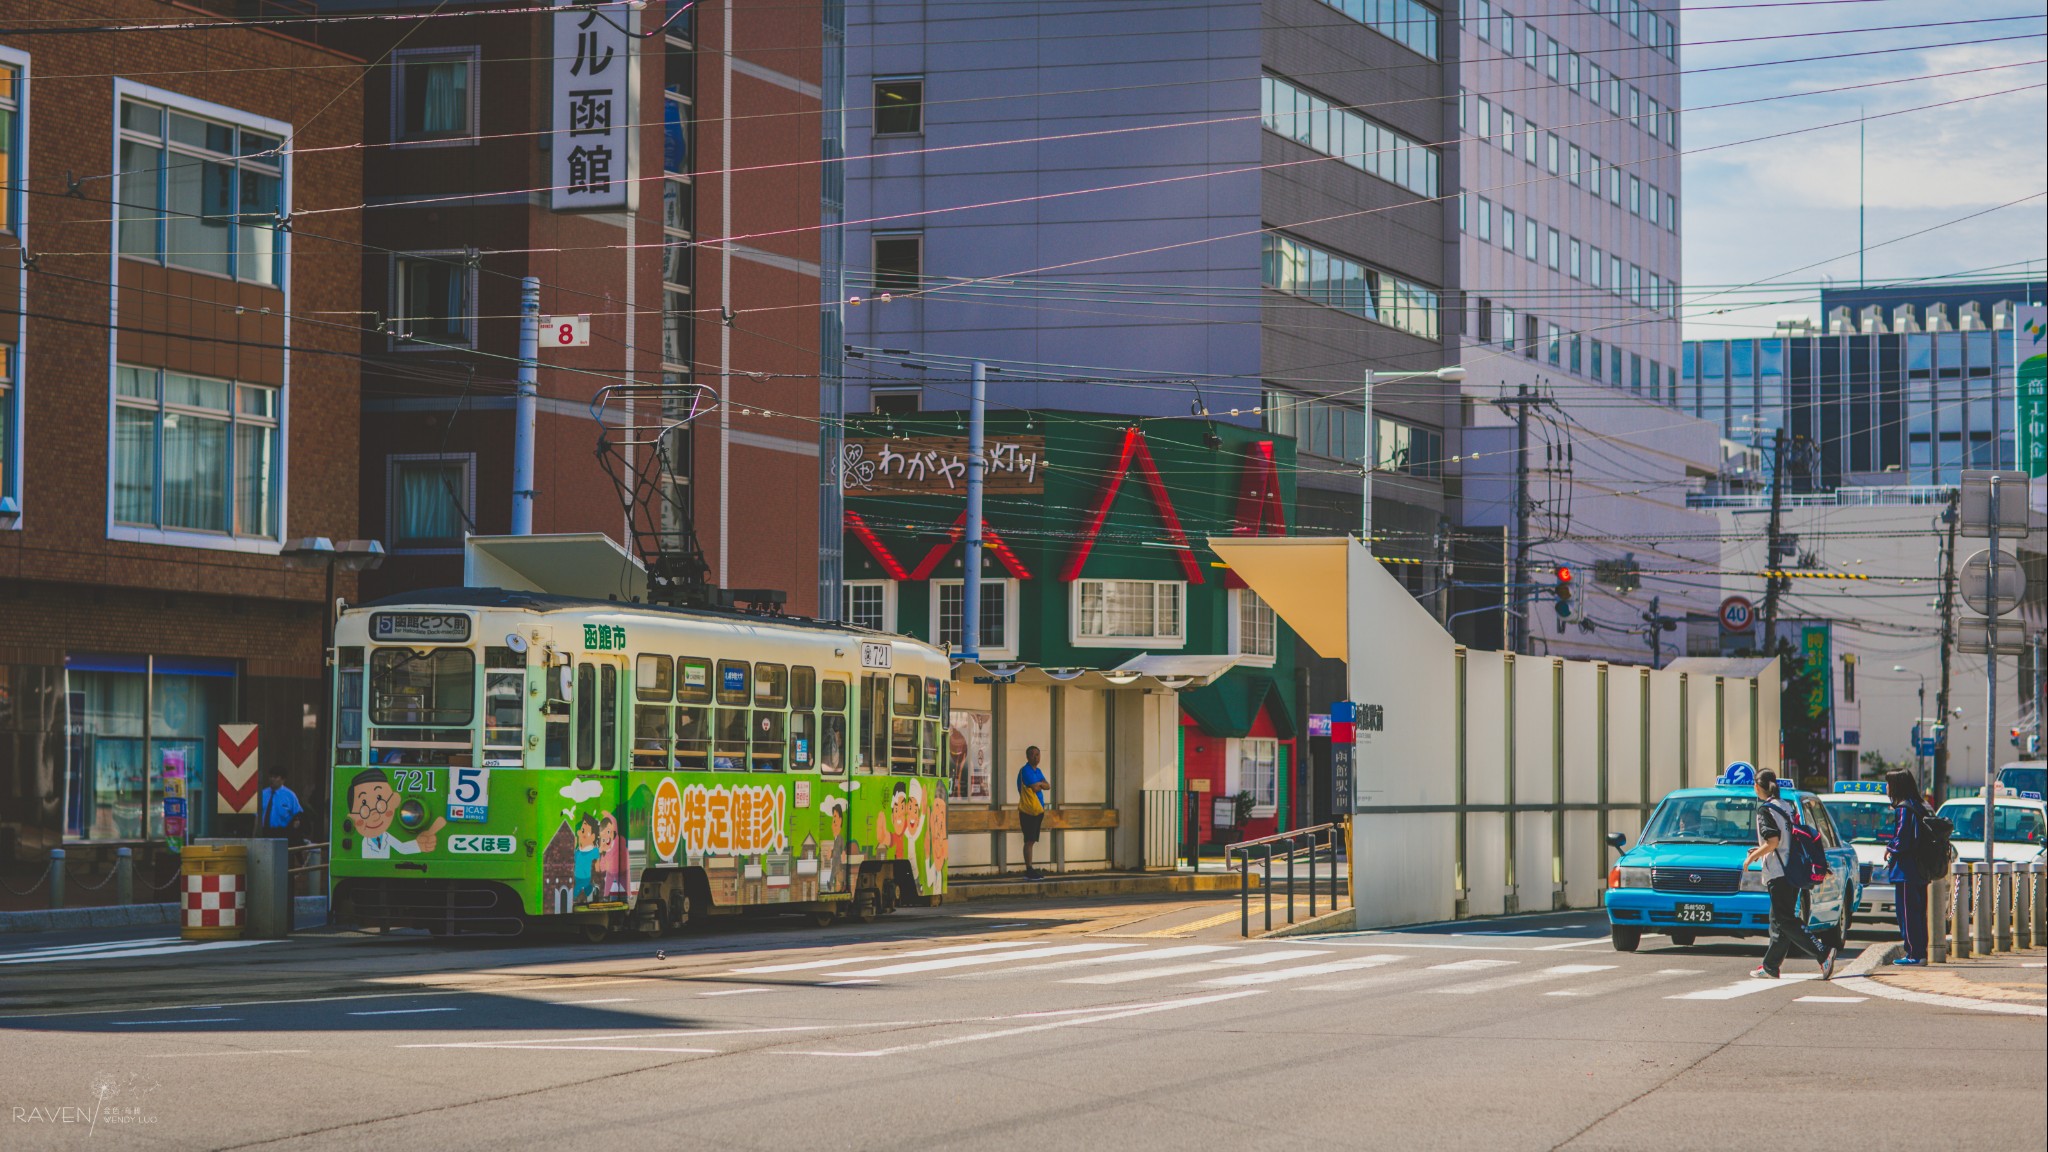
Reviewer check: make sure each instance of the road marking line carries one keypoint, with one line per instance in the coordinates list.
(590, 1048)
(1569, 944)
(1301, 970)
(970, 961)
(606, 1000)
(736, 991)
(1606, 986)
(1272, 957)
(1472, 965)
(1521, 978)
(125, 953)
(192, 1020)
(1137, 1010)
(1143, 974)
(1747, 987)
(1090, 961)
(1377, 980)
(1880, 988)
(838, 961)
(61, 949)
(231, 1052)
(672, 1034)
(1829, 999)
(403, 1011)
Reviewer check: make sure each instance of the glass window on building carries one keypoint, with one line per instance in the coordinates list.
(431, 296)
(1254, 627)
(10, 146)
(1258, 771)
(1137, 611)
(867, 604)
(143, 733)
(430, 497)
(8, 421)
(200, 194)
(951, 600)
(899, 106)
(195, 454)
(898, 261)
(434, 94)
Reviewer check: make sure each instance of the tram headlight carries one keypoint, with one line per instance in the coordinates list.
(412, 814)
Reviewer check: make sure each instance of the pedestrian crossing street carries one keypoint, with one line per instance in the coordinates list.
(1276, 967)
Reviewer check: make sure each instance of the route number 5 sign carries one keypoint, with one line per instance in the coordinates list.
(565, 331)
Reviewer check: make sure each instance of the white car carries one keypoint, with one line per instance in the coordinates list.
(1864, 818)
(2019, 828)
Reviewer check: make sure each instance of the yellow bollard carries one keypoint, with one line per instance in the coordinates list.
(215, 891)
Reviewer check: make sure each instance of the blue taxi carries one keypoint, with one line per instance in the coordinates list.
(1685, 877)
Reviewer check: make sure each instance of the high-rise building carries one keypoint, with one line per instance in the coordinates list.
(1570, 211)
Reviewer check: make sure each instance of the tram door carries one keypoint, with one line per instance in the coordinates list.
(598, 738)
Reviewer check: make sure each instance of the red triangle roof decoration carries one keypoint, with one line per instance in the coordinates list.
(874, 545)
(954, 535)
(1259, 510)
(1134, 452)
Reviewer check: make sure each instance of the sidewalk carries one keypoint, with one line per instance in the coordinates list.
(2013, 982)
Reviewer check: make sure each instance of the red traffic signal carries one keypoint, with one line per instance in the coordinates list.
(1564, 574)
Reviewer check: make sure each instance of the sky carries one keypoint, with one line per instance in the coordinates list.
(1753, 213)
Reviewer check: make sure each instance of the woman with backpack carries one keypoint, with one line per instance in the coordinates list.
(1775, 821)
(1906, 863)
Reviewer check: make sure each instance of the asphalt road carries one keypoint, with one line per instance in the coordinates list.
(1115, 1026)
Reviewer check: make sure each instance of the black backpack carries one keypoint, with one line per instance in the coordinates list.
(1934, 852)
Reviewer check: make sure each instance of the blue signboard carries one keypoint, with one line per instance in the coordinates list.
(1740, 772)
(734, 678)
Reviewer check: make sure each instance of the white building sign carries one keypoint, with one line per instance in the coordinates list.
(592, 107)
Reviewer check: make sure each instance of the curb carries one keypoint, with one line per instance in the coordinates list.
(1084, 885)
(1868, 960)
(307, 912)
(1342, 920)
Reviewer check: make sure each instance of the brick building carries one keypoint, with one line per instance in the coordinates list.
(490, 159)
(179, 401)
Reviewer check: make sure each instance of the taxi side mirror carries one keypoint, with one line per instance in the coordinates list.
(1615, 840)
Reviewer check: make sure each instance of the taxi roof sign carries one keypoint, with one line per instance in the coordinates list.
(1860, 786)
(1740, 772)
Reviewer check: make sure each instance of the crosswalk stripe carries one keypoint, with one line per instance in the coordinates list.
(838, 961)
(1091, 961)
(1376, 980)
(1743, 988)
(1300, 971)
(1274, 956)
(1625, 982)
(1829, 999)
(1472, 965)
(967, 961)
(1517, 980)
(1143, 974)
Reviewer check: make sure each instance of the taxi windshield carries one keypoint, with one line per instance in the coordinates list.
(1703, 820)
(1862, 821)
(2010, 823)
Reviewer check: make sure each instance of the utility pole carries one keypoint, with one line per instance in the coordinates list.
(1954, 515)
(1516, 570)
(525, 406)
(1991, 659)
(1774, 545)
(970, 578)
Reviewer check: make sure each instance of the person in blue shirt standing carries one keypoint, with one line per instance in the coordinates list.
(278, 811)
(1032, 793)
(1903, 867)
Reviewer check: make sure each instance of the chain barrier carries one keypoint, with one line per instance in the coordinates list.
(40, 881)
(104, 880)
(175, 877)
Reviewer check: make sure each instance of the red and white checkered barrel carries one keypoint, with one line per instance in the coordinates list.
(216, 883)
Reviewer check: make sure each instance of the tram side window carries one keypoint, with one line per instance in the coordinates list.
(832, 728)
(693, 712)
(874, 726)
(929, 746)
(906, 704)
(608, 720)
(555, 712)
(348, 732)
(586, 715)
(803, 719)
(771, 695)
(653, 688)
(504, 704)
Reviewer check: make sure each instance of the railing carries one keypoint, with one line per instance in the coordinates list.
(1845, 497)
(315, 863)
(1315, 841)
(1986, 909)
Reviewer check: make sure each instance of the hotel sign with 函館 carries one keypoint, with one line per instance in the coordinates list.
(592, 106)
(927, 465)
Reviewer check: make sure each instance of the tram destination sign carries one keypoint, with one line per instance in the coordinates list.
(922, 465)
(434, 627)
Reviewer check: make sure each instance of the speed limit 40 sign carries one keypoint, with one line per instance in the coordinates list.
(565, 331)
(1737, 614)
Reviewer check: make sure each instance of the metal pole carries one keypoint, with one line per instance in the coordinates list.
(2002, 905)
(1985, 891)
(970, 581)
(1953, 515)
(1938, 889)
(1290, 881)
(56, 877)
(1991, 671)
(527, 406)
(124, 876)
(1965, 879)
(1372, 454)
(1521, 576)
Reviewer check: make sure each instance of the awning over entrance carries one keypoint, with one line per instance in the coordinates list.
(588, 564)
(1231, 706)
(1189, 670)
(1017, 672)
(1304, 579)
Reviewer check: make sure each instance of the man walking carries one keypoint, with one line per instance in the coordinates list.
(1774, 847)
(1032, 791)
(278, 811)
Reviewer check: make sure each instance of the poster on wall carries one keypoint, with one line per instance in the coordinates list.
(593, 62)
(972, 738)
(2030, 398)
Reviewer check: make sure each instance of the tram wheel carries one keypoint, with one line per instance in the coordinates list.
(594, 931)
(867, 906)
(824, 919)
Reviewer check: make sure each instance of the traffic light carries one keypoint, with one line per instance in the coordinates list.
(1563, 591)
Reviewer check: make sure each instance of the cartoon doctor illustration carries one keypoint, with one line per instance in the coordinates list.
(371, 809)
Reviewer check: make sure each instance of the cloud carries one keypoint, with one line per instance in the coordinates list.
(581, 790)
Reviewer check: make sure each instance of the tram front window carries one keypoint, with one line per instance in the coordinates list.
(422, 702)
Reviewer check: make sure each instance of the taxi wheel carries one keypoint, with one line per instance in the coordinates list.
(1626, 939)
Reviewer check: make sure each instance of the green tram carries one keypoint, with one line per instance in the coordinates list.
(509, 759)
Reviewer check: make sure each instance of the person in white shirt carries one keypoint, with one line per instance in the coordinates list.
(1774, 847)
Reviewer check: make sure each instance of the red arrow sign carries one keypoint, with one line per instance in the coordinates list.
(234, 768)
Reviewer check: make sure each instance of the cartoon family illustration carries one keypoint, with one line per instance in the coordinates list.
(373, 806)
(906, 830)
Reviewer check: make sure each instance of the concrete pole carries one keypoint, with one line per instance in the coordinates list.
(1991, 673)
(970, 580)
(1372, 453)
(527, 407)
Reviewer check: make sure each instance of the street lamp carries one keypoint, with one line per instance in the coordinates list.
(1448, 374)
(1919, 718)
